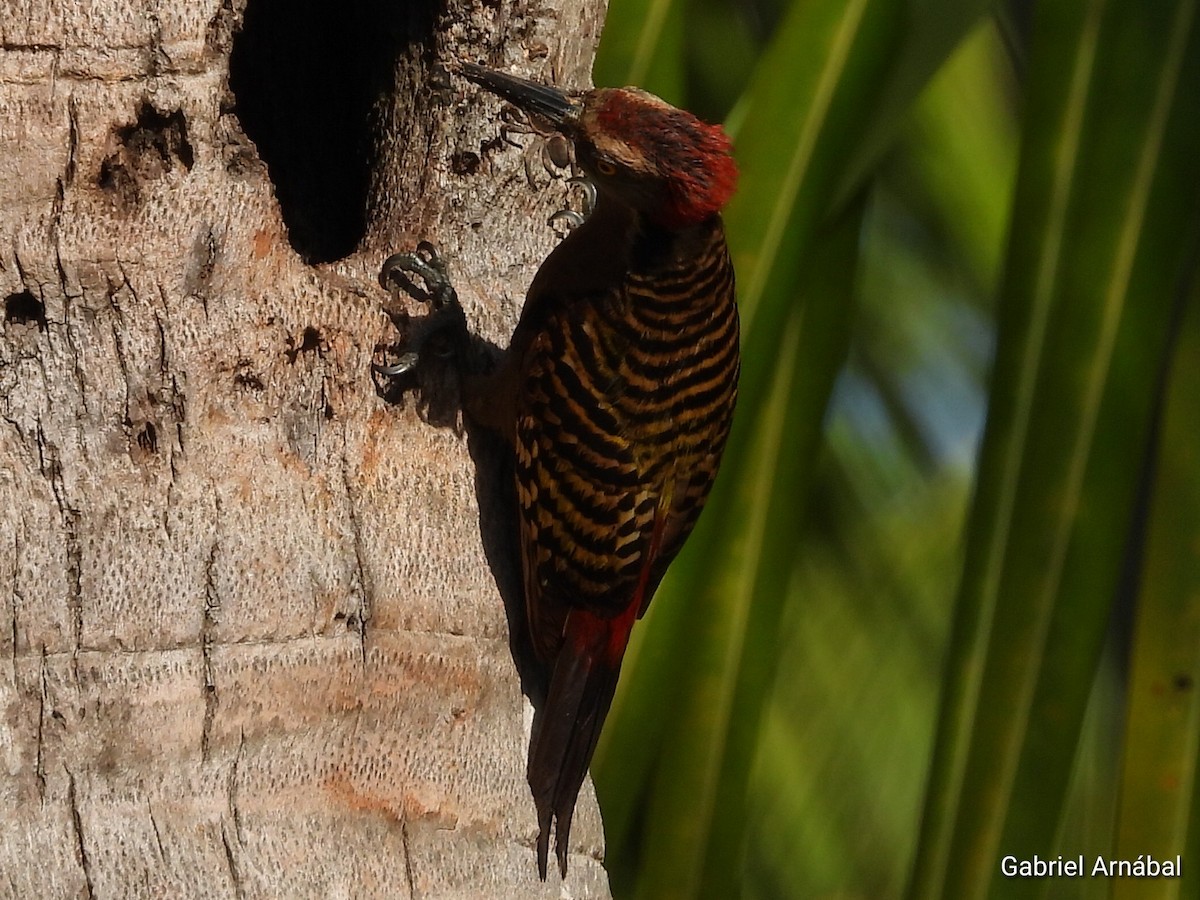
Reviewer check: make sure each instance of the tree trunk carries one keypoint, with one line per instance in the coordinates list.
(253, 645)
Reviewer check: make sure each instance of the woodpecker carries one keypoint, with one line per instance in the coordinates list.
(615, 395)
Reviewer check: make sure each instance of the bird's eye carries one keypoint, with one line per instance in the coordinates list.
(604, 167)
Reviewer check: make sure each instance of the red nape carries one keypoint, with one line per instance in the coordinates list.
(694, 157)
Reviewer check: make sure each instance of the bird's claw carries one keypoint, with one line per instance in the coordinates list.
(570, 217)
(446, 312)
(426, 263)
(589, 193)
(406, 363)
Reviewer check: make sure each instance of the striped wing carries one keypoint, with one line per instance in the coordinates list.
(587, 506)
(622, 416)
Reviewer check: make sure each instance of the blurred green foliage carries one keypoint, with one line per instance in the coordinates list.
(945, 603)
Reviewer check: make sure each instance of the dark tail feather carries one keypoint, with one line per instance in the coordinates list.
(581, 692)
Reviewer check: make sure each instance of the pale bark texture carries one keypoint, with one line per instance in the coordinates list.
(250, 641)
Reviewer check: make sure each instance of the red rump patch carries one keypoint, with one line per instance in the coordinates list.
(695, 157)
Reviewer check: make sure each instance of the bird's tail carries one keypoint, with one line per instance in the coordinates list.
(581, 691)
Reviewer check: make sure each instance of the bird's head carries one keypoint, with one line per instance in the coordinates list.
(664, 162)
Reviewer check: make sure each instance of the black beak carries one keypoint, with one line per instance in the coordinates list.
(541, 100)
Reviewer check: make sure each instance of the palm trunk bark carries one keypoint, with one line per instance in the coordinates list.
(250, 642)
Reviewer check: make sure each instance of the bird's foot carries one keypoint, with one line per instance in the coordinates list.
(436, 334)
(426, 263)
(551, 149)
(571, 218)
(556, 154)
